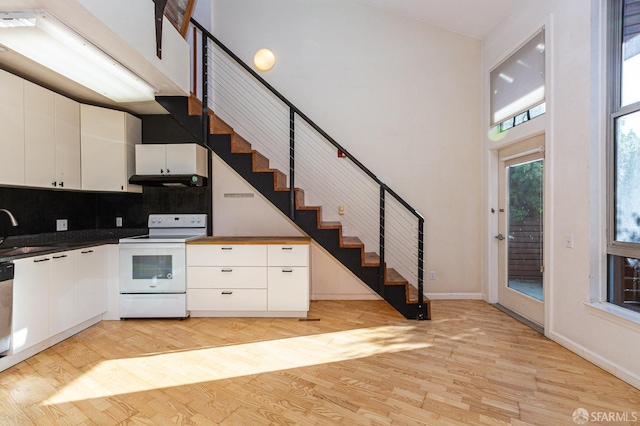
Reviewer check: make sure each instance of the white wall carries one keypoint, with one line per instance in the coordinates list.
(256, 216)
(574, 128)
(402, 96)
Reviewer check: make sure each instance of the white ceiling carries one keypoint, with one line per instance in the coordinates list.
(473, 18)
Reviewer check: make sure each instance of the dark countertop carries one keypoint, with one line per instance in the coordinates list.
(63, 241)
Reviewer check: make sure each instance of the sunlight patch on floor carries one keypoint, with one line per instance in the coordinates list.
(139, 374)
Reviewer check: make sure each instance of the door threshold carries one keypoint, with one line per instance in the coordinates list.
(520, 318)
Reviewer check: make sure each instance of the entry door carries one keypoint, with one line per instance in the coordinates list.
(521, 230)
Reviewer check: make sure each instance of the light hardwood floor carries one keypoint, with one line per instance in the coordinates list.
(360, 363)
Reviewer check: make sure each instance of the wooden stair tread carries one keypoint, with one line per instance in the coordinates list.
(330, 225)
(259, 161)
(240, 144)
(371, 259)
(393, 277)
(352, 242)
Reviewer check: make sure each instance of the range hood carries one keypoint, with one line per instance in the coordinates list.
(168, 180)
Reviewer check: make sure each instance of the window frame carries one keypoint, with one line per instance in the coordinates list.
(615, 110)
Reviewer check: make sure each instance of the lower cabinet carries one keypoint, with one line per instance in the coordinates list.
(56, 292)
(264, 278)
(63, 291)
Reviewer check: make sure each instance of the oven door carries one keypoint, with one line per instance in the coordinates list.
(152, 268)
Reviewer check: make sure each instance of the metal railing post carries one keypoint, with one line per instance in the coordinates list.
(381, 268)
(420, 268)
(205, 89)
(292, 164)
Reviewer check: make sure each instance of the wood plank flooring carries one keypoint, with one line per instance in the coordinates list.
(360, 363)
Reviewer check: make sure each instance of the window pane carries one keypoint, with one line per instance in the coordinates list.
(631, 52)
(518, 83)
(627, 178)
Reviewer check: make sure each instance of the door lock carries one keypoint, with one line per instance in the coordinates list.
(499, 237)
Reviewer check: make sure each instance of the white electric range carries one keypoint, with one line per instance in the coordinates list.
(153, 267)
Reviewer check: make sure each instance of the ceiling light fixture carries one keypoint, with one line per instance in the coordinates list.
(47, 41)
(264, 59)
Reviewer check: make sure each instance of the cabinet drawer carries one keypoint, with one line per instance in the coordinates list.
(288, 289)
(288, 255)
(201, 299)
(226, 277)
(226, 255)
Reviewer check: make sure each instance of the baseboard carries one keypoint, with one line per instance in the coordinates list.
(621, 373)
(454, 296)
(342, 296)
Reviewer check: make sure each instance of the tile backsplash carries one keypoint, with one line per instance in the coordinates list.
(37, 210)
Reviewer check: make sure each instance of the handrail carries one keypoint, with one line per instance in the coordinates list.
(304, 117)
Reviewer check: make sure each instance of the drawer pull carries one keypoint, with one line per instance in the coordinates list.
(227, 270)
(86, 251)
(227, 292)
(60, 257)
(287, 270)
(287, 248)
(41, 260)
(226, 248)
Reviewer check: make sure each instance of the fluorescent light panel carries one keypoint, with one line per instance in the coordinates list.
(45, 40)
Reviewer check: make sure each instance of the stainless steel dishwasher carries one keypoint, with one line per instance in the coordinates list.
(6, 306)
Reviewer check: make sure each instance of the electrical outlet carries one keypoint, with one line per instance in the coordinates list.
(432, 275)
(61, 225)
(340, 210)
(118, 222)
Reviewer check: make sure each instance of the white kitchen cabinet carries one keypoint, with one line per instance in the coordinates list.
(108, 140)
(39, 137)
(92, 282)
(12, 125)
(30, 302)
(52, 139)
(67, 143)
(263, 278)
(171, 159)
(63, 291)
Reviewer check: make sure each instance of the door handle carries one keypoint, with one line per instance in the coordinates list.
(499, 237)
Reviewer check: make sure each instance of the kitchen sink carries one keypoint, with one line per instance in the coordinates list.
(15, 251)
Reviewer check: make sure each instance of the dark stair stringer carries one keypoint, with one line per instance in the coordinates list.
(271, 183)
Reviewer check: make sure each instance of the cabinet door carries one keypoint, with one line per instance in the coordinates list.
(132, 138)
(150, 159)
(67, 142)
(186, 159)
(103, 150)
(63, 292)
(288, 288)
(30, 302)
(12, 125)
(39, 140)
(92, 282)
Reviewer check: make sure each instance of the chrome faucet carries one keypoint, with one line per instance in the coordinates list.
(14, 222)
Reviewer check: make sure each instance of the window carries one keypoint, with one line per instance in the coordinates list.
(517, 92)
(624, 151)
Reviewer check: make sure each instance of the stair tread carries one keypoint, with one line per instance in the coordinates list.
(240, 144)
(331, 225)
(393, 277)
(371, 259)
(352, 241)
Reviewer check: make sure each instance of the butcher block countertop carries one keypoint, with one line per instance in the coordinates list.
(251, 240)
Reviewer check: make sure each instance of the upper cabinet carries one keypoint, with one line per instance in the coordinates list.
(52, 139)
(171, 159)
(108, 140)
(12, 125)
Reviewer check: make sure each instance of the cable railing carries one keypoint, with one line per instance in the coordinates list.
(308, 156)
